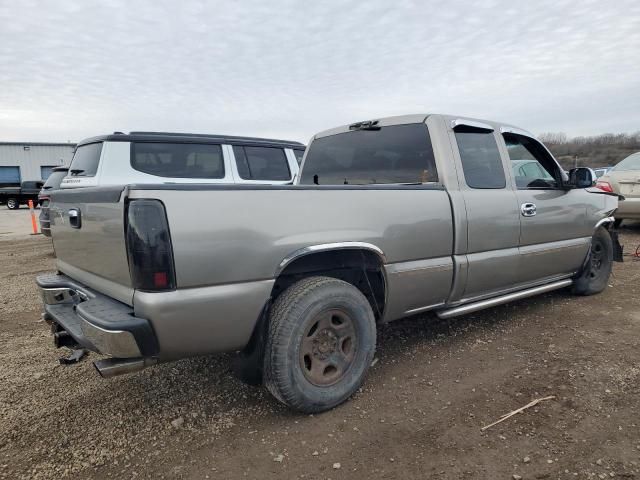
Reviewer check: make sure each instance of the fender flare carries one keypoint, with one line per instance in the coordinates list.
(326, 247)
(603, 221)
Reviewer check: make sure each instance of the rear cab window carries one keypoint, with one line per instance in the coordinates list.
(262, 163)
(632, 162)
(54, 180)
(394, 154)
(481, 162)
(86, 160)
(178, 160)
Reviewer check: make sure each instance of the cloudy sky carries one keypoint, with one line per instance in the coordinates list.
(71, 69)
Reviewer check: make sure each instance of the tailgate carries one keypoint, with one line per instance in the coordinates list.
(88, 231)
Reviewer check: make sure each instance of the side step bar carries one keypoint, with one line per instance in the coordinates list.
(492, 302)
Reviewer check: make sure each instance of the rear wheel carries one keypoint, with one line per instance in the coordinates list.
(617, 222)
(321, 341)
(595, 274)
(13, 203)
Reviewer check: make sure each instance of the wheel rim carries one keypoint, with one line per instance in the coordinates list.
(11, 203)
(328, 347)
(597, 258)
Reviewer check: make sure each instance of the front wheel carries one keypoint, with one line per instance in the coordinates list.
(595, 274)
(321, 341)
(13, 203)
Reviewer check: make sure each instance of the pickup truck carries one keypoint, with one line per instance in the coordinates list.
(388, 218)
(15, 196)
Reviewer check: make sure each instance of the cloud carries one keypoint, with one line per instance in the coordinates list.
(289, 69)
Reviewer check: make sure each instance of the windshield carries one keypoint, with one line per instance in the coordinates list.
(86, 160)
(55, 179)
(382, 155)
(632, 162)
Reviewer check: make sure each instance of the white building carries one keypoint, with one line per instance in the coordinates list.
(31, 161)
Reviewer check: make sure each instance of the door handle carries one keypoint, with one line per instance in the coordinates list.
(528, 209)
(75, 218)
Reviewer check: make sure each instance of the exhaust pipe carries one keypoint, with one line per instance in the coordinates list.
(110, 367)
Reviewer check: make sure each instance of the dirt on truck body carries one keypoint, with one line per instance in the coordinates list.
(434, 384)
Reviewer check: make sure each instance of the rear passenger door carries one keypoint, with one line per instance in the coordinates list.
(554, 235)
(263, 165)
(493, 224)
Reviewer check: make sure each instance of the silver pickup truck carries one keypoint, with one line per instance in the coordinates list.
(388, 218)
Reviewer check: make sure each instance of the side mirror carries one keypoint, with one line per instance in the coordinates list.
(581, 177)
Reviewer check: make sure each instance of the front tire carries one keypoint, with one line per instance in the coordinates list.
(321, 342)
(595, 274)
(13, 203)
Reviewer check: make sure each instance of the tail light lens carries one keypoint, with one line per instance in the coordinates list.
(149, 246)
(606, 186)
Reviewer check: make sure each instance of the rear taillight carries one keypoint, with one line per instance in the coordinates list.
(149, 246)
(606, 186)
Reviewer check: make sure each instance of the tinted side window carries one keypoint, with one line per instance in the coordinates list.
(533, 167)
(54, 180)
(392, 154)
(480, 157)
(262, 163)
(86, 160)
(299, 154)
(178, 160)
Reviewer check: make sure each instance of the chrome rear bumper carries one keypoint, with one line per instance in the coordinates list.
(96, 322)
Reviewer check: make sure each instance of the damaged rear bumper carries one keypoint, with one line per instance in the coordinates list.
(82, 317)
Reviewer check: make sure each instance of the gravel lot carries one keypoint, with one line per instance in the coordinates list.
(419, 415)
(15, 224)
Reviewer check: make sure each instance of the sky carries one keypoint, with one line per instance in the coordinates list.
(285, 69)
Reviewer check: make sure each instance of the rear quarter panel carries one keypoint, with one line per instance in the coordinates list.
(224, 235)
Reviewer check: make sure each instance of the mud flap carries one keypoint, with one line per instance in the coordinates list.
(617, 248)
(247, 365)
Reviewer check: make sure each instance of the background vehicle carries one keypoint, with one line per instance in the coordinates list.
(52, 183)
(19, 195)
(624, 179)
(526, 170)
(389, 218)
(153, 157)
(601, 171)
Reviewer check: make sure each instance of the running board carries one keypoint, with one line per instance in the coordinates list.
(510, 297)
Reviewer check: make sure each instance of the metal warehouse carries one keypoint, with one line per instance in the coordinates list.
(20, 162)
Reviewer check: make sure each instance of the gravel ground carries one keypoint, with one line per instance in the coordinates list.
(419, 414)
(15, 224)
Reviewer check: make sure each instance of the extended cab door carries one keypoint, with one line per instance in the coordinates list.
(554, 234)
(487, 243)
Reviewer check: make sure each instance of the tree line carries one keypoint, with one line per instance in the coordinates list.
(594, 151)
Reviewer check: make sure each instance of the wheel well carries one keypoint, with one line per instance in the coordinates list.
(360, 267)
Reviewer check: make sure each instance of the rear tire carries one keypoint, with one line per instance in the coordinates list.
(320, 344)
(595, 274)
(617, 222)
(13, 203)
